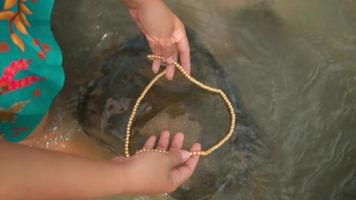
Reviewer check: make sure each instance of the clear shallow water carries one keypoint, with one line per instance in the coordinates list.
(293, 66)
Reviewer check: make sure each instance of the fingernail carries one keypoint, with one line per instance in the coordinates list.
(155, 70)
(185, 155)
(166, 132)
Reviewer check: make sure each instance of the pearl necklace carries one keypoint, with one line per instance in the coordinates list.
(213, 90)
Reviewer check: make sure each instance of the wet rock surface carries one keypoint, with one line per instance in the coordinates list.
(105, 104)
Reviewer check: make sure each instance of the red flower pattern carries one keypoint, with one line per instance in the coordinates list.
(7, 81)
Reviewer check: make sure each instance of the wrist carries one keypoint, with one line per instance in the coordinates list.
(113, 177)
(123, 176)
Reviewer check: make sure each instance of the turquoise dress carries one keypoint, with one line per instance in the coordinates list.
(31, 72)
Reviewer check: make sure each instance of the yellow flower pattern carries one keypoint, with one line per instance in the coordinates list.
(17, 19)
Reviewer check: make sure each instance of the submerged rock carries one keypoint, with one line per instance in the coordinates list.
(106, 102)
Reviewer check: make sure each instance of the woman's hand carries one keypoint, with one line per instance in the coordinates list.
(164, 32)
(158, 173)
(33, 173)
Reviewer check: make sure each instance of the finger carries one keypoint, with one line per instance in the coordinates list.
(156, 64)
(152, 42)
(178, 157)
(177, 142)
(170, 72)
(150, 143)
(168, 51)
(184, 53)
(171, 68)
(193, 161)
(163, 141)
(183, 173)
(181, 40)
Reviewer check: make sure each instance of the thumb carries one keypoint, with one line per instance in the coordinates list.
(178, 157)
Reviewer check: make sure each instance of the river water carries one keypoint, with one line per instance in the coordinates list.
(292, 65)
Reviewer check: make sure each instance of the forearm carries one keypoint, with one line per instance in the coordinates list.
(31, 173)
(134, 4)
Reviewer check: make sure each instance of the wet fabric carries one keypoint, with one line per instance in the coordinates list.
(31, 73)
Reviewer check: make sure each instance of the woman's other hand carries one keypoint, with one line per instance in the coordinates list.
(158, 173)
(164, 32)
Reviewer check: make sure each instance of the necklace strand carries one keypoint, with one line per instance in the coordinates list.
(195, 82)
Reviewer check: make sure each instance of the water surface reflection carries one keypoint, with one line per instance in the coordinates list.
(292, 64)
